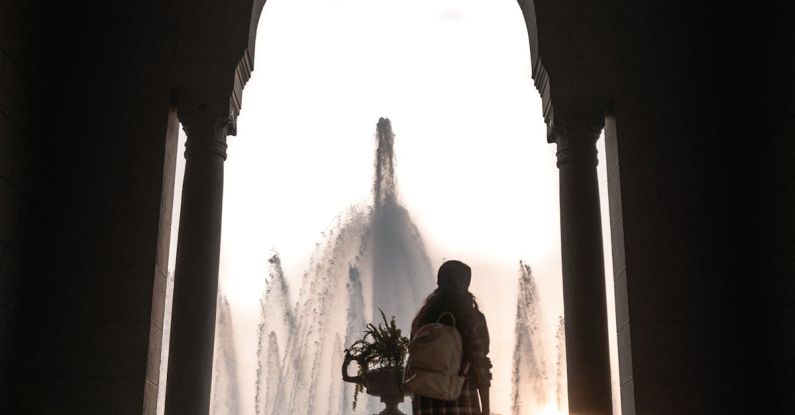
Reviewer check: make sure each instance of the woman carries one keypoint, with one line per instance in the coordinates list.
(452, 295)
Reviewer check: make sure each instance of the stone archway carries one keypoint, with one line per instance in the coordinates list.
(208, 111)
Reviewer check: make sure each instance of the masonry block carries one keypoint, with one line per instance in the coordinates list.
(153, 354)
(80, 396)
(85, 349)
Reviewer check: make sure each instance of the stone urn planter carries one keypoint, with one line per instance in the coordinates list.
(385, 383)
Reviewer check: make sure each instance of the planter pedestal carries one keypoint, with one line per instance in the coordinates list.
(385, 382)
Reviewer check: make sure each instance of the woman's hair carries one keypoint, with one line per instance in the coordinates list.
(461, 304)
(451, 295)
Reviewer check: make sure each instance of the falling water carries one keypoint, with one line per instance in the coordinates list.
(560, 364)
(225, 389)
(354, 328)
(401, 271)
(276, 322)
(384, 185)
(529, 367)
(373, 258)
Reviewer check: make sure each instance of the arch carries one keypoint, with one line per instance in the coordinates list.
(245, 64)
(579, 122)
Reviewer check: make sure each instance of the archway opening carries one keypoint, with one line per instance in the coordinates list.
(475, 174)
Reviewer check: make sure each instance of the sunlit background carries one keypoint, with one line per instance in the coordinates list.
(473, 166)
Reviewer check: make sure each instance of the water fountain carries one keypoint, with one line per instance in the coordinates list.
(226, 388)
(529, 369)
(373, 257)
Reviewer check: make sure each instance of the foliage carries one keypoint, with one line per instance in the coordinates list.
(381, 346)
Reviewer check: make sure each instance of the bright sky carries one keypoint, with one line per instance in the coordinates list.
(453, 76)
(474, 169)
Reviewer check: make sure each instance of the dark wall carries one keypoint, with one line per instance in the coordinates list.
(87, 187)
(81, 290)
(19, 75)
(678, 162)
(701, 158)
(682, 315)
(772, 144)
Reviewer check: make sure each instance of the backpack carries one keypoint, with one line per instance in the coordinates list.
(434, 362)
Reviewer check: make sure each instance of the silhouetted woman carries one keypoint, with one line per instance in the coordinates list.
(452, 295)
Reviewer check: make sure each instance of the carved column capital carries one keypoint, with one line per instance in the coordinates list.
(575, 130)
(206, 125)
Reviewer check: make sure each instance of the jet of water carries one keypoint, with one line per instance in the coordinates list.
(529, 369)
(373, 258)
(225, 388)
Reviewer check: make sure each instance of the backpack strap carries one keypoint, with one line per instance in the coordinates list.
(446, 313)
(466, 369)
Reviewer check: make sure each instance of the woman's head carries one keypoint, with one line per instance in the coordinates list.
(451, 295)
(454, 276)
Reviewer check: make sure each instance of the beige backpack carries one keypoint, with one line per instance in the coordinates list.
(434, 362)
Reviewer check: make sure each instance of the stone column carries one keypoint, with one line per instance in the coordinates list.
(585, 305)
(190, 363)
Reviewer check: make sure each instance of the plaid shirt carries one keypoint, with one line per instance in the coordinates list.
(466, 404)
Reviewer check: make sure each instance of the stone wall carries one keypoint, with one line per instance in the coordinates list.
(686, 303)
(701, 163)
(105, 145)
(774, 223)
(773, 210)
(17, 131)
(678, 266)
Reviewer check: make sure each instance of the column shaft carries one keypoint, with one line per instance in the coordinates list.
(584, 296)
(190, 363)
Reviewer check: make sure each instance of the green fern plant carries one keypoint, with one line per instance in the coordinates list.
(381, 346)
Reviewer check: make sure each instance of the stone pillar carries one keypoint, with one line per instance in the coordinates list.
(584, 299)
(190, 363)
